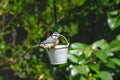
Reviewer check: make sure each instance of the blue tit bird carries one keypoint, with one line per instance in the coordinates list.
(51, 41)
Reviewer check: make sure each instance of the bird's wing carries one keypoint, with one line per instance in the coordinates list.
(49, 40)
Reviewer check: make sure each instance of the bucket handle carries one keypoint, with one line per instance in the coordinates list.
(65, 39)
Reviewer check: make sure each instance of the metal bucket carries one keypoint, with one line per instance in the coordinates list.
(58, 55)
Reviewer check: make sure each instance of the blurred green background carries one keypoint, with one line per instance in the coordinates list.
(91, 26)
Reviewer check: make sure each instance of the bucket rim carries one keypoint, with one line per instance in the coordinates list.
(62, 46)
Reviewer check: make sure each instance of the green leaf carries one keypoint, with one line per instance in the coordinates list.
(104, 75)
(1, 78)
(110, 64)
(113, 22)
(78, 46)
(95, 67)
(83, 78)
(81, 59)
(15, 67)
(78, 2)
(102, 55)
(117, 1)
(77, 58)
(102, 44)
(116, 61)
(88, 51)
(73, 58)
(75, 52)
(115, 46)
(82, 69)
(118, 37)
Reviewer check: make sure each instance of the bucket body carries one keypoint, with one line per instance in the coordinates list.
(58, 55)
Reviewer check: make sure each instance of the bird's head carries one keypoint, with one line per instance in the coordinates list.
(55, 35)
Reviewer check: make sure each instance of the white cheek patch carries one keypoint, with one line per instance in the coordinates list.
(55, 37)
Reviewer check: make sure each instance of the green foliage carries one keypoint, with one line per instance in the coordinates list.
(113, 19)
(90, 26)
(104, 75)
(98, 64)
(1, 78)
